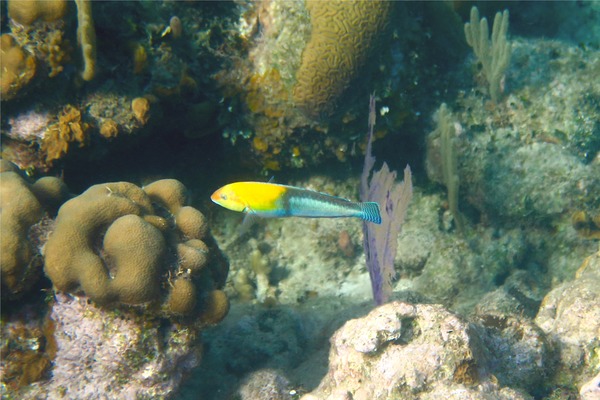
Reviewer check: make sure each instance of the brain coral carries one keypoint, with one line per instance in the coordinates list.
(119, 243)
(343, 33)
(22, 226)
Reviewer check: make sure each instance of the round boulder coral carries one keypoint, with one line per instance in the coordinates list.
(341, 38)
(23, 226)
(120, 244)
(17, 67)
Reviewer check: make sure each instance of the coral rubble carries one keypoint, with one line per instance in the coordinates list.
(103, 354)
(401, 350)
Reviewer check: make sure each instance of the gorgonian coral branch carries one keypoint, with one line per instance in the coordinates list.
(381, 241)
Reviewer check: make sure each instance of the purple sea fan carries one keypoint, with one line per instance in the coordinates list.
(381, 241)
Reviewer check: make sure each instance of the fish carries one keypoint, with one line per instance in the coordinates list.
(271, 200)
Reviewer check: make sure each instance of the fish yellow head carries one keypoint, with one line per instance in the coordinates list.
(228, 197)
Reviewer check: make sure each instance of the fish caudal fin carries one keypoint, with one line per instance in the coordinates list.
(369, 211)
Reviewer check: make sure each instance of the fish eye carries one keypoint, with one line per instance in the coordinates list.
(223, 197)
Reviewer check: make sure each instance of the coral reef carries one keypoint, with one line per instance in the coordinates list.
(570, 316)
(401, 350)
(27, 12)
(86, 38)
(32, 18)
(287, 85)
(23, 226)
(114, 243)
(104, 354)
(265, 384)
(494, 53)
(69, 128)
(17, 67)
(521, 355)
(284, 84)
(342, 36)
(26, 350)
(520, 162)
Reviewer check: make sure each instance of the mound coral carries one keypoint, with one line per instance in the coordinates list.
(22, 226)
(119, 243)
(17, 67)
(33, 17)
(341, 38)
(27, 12)
(294, 71)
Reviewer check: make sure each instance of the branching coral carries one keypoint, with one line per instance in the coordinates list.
(86, 37)
(494, 54)
(442, 158)
(380, 242)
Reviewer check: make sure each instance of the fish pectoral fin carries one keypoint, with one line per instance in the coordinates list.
(248, 222)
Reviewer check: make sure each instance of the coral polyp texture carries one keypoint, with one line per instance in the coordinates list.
(298, 61)
(118, 243)
(341, 38)
(23, 225)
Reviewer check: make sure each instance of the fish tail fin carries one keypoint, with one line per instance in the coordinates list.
(369, 211)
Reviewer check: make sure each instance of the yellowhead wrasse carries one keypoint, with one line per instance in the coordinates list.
(271, 200)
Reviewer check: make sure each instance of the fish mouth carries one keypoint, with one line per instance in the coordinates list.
(215, 196)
